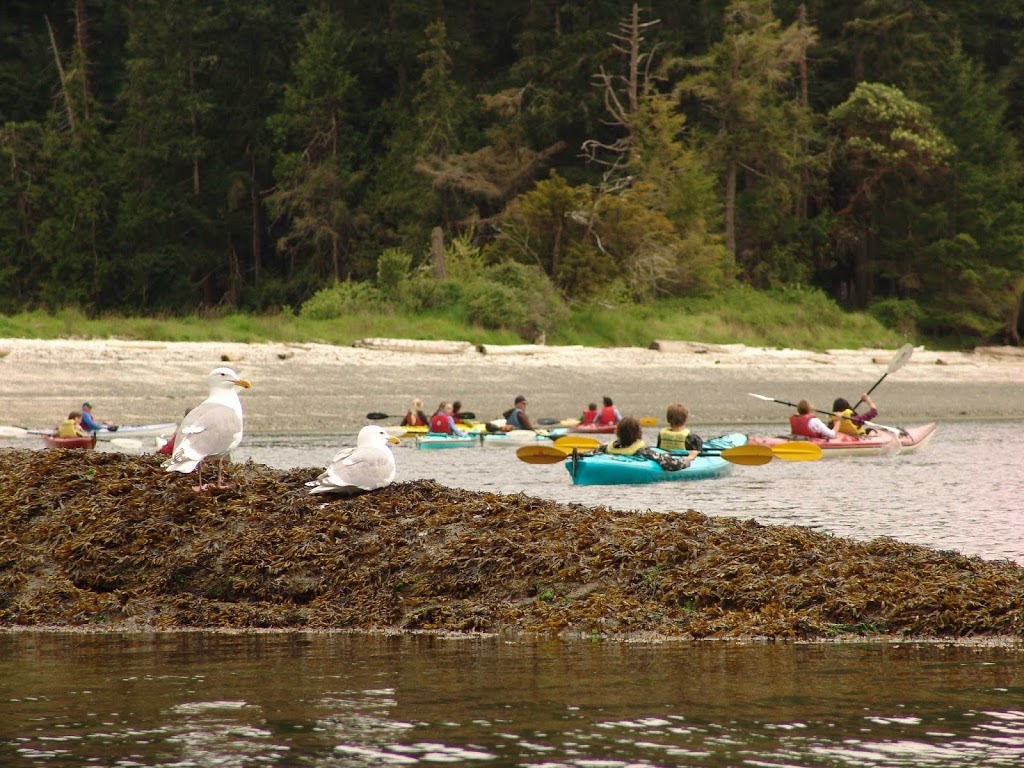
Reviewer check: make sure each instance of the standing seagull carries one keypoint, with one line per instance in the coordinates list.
(368, 466)
(212, 429)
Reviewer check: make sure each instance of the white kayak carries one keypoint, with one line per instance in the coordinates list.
(128, 430)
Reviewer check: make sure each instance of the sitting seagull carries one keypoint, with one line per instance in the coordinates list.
(212, 429)
(368, 466)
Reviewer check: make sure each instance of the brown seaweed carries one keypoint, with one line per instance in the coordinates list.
(111, 540)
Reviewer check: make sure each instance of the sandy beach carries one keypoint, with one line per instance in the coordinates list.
(319, 388)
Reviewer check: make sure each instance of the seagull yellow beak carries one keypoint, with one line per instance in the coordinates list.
(243, 383)
(393, 439)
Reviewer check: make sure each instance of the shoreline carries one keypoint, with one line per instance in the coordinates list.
(322, 388)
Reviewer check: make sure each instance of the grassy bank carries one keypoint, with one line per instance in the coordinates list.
(795, 319)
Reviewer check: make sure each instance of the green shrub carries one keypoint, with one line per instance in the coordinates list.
(901, 315)
(340, 299)
(393, 267)
(497, 306)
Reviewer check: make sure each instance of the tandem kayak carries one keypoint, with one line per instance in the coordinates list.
(128, 430)
(593, 429)
(612, 469)
(519, 437)
(433, 440)
(878, 443)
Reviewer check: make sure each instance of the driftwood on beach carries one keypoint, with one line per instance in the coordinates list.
(111, 541)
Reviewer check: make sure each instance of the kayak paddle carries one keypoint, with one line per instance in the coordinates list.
(13, 431)
(568, 442)
(898, 361)
(747, 455)
(376, 415)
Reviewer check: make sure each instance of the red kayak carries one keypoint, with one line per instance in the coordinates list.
(877, 443)
(594, 429)
(53, 441)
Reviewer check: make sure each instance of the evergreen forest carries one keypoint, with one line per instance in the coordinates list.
(515, 157)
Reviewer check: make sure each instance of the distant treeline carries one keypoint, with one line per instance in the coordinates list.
(166, 155)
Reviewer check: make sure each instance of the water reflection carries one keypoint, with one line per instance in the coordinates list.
(340, 700)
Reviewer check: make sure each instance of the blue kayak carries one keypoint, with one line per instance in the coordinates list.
(439, 440)
(611, 469)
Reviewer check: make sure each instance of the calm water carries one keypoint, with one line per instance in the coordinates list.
(206, 699)
(300, 700)
(963, 491)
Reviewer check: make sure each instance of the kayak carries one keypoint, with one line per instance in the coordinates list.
(423, 429)
(612, 469)
(878, 443)
(594, 429)
(128, 430)
(52, 441)
(433, 440)
(522, 436)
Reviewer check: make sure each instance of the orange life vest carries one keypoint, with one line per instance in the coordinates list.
(800, 424)
(608, 415)
(439, 423)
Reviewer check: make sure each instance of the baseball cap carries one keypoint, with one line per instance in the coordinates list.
(520, 398)
(87, 405)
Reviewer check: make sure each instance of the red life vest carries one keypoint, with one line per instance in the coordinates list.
(439, 423)
(589, 417)
(800, 425)
(608, 415)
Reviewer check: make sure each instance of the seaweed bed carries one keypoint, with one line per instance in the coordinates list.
(112, 541)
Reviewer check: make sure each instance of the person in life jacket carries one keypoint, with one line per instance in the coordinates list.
(590, 415)
(629, 442)
(676, 436)
(609, 413)
(846, 421)
(415, 417)
(72, 426)
(807, 424)
(443, 422)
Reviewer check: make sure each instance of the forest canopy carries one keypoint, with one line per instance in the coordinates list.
(513, 156)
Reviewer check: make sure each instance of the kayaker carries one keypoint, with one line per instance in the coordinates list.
(443, 422)
(589, 416)
(415, 417)
(629, 442)
(89, 421)
(676, 436)
(516, 416)
(807, 424)
(457, 412)
(609, 413)
(72, 426)
(847, 421)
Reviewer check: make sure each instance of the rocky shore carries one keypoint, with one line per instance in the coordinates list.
(319, 388)
(111, 542)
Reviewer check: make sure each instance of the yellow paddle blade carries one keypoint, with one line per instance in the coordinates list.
(540, 454)
(573, 441)
(795, 451)
(749, 455)
(648, 421)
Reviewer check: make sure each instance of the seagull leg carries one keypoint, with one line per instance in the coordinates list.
(200, 488)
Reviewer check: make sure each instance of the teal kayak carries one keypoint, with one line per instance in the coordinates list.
(434, 440)
(612, 469)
